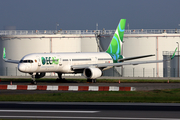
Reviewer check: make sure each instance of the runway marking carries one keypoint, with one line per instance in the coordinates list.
(107, 118)
(49, 111)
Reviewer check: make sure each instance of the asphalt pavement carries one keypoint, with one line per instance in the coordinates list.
(89, 111)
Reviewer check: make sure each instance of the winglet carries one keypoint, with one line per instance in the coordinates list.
(173, 54)
(4, 53)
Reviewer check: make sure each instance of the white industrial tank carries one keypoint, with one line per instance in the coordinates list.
(18, 44)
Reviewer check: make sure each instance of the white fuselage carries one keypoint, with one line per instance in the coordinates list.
(60, 62)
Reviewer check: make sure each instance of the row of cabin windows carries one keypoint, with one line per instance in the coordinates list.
(87, 59)
(31, 61)
(104, 59)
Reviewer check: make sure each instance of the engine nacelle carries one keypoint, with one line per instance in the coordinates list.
(92, 73)
(40, 75)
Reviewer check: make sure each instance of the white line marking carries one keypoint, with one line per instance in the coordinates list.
(107, 118)
(49, 111)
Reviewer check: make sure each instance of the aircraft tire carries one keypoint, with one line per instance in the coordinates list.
(33, 82)
(93, 80)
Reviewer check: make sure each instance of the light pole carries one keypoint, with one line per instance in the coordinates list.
(128, 26)
(57, 26)
(96, 26)
(178, 58)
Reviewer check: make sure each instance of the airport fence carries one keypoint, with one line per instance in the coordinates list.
(127, 31)
(116, 72)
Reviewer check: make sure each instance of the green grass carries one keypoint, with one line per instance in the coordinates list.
(155, 96)
(136, 81)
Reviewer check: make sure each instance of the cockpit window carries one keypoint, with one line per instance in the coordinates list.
(26, 61)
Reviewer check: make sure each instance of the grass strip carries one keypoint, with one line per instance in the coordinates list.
(84, 80)
(155, 96)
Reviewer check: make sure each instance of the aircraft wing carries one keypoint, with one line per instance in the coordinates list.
(137, 57)
(104, 65)
(9, 60)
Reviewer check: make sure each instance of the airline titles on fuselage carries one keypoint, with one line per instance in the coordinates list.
(49, 60)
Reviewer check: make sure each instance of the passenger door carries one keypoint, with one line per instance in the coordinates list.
(38, 64)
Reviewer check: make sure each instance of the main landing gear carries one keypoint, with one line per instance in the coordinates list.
(91, 80)
(59, 79)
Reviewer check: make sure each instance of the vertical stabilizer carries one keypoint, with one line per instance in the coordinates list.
(115, 46)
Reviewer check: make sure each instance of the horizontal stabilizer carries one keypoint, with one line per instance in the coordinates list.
(11, 61)
(8, 60)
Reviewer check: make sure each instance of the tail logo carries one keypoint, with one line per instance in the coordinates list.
(4, 54)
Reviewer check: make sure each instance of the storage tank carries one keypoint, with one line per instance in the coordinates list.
(21, 43)
(144, 42)
(136, 43)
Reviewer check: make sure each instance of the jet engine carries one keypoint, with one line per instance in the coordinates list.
(92, 73)
(40, 75)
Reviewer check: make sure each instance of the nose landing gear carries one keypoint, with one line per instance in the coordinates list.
(33, 81)
(36, 75)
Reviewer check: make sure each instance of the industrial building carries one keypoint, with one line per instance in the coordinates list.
(137, 42)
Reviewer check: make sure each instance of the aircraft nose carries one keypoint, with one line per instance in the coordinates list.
(21, 67)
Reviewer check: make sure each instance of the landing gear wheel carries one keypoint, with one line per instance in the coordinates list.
(60, 76)
(89, 80)
(93, 80)
(60, 79)
(33, 82)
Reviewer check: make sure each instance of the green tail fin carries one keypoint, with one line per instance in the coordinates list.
(4, 53)
(115, 46)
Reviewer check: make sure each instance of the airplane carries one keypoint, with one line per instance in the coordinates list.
(90, 64)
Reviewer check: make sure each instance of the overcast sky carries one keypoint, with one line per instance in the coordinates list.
(84, 14)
